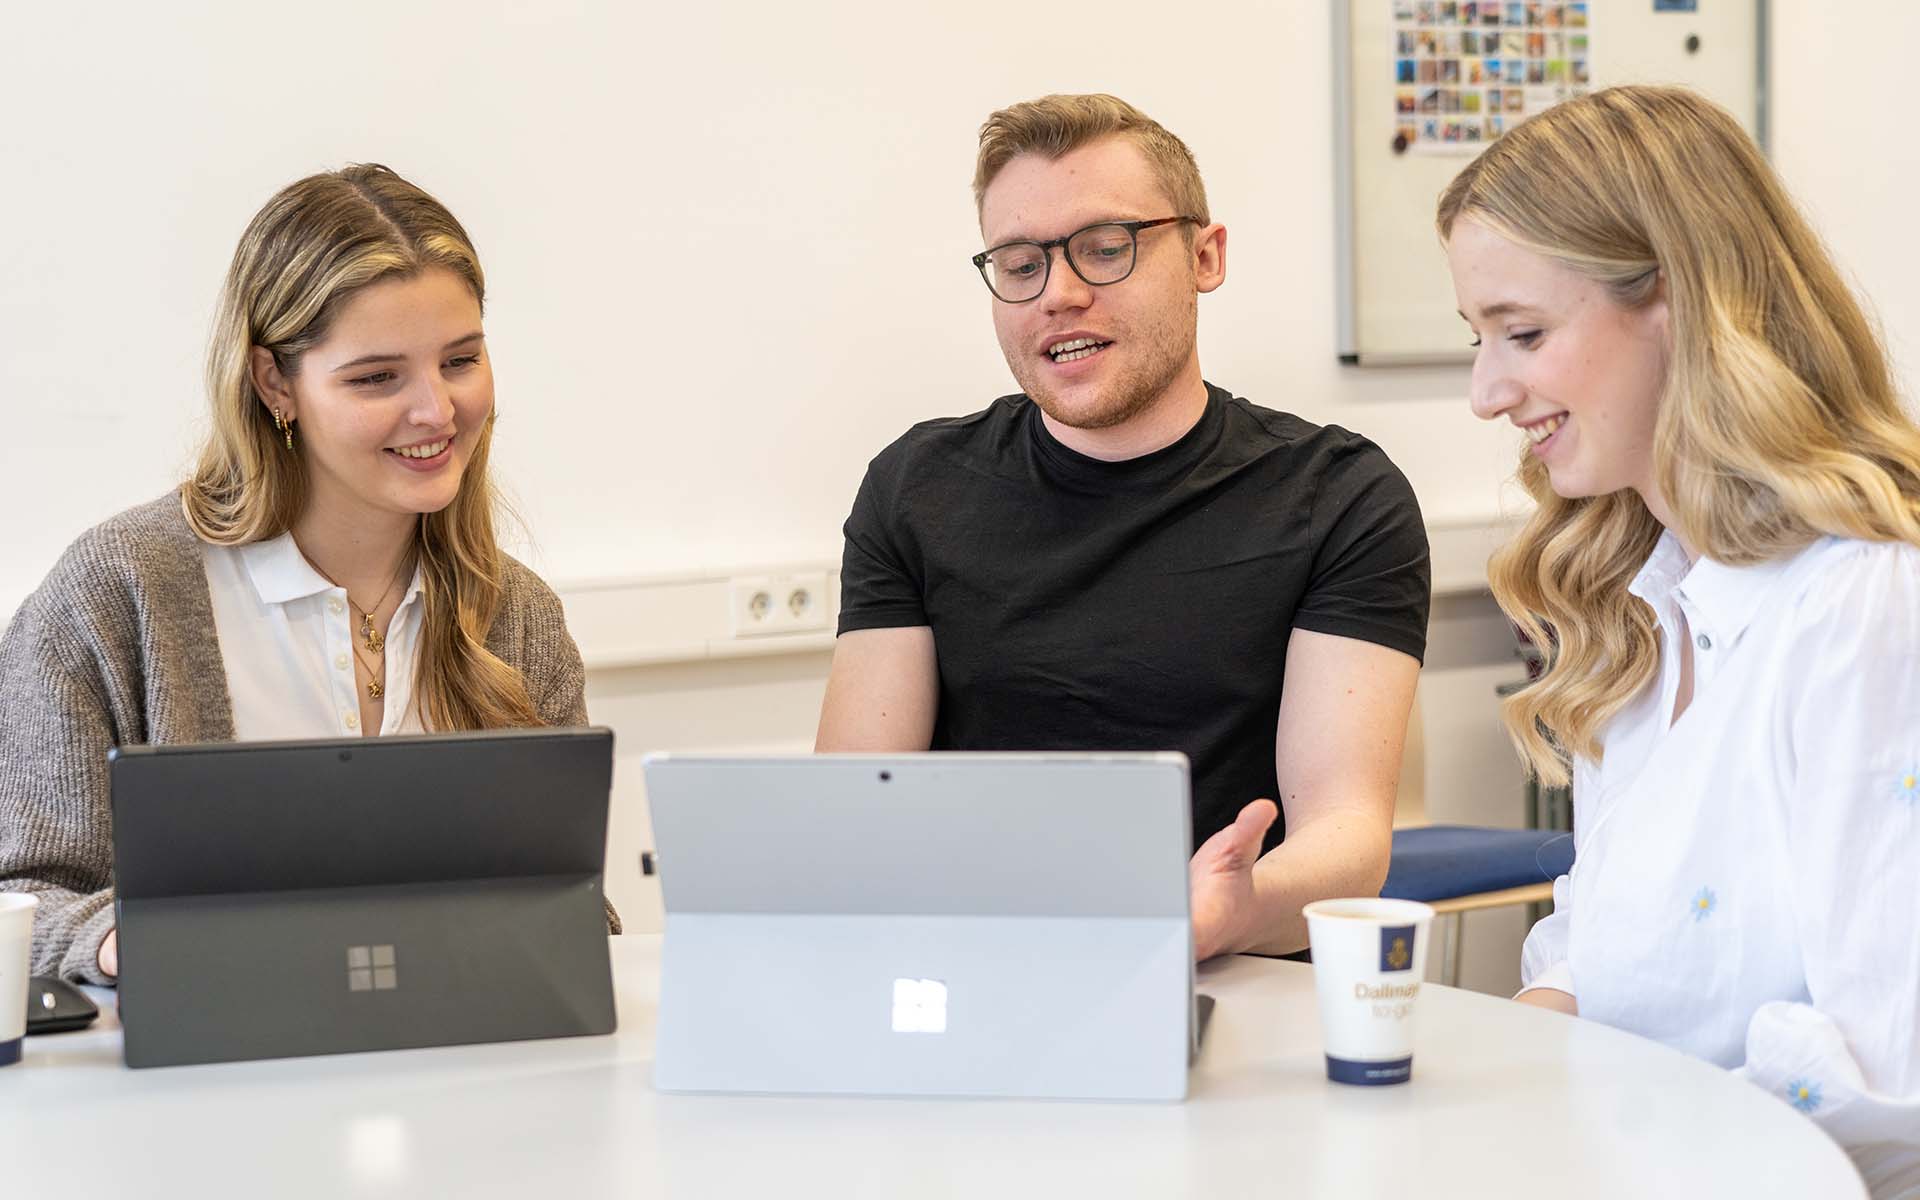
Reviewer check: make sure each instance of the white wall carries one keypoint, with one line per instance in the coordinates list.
(726, 243)
(1844, 141)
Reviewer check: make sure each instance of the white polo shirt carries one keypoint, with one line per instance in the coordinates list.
(287, 636)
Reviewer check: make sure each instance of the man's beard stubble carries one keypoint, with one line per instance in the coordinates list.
(1127, 396)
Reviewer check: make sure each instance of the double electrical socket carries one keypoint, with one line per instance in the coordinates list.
(774, 604)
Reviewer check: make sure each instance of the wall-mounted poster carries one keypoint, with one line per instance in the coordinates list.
(1465, 70)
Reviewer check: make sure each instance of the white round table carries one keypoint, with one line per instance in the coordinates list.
(1506, 1100)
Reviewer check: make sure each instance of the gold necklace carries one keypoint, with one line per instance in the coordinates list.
(376, 684)
(376, 641)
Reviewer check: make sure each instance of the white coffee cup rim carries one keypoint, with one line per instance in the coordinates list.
(1369, 908)
(12, 902)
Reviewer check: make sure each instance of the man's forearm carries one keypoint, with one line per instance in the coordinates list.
(1337, 855)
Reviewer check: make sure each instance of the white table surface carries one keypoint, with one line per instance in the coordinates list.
(1506, 1100)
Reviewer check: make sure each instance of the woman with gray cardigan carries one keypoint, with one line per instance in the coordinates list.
(329, 570)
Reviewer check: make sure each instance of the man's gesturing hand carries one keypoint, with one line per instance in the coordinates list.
(1221, 876)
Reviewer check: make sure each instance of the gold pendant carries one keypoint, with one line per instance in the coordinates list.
(374, 638)
(374, 690)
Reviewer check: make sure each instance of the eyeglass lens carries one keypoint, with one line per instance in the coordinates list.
(1099, 254)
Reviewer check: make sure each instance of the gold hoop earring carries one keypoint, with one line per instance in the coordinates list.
(284, 426)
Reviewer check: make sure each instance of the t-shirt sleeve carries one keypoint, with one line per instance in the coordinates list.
(880, 584)
(1371, 579)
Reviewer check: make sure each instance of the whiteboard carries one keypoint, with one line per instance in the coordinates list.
(1394, 296)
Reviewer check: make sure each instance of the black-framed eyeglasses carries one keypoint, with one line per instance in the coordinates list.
(1099, 254)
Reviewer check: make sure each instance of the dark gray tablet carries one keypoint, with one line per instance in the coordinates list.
(290, 898)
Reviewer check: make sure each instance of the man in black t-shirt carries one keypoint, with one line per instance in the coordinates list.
(1126, 557)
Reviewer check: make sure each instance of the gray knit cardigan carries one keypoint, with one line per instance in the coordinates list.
(117, 648)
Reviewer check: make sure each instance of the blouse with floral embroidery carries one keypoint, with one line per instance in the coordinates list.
(1746, 884)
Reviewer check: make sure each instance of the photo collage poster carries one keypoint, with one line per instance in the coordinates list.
(1465, 71)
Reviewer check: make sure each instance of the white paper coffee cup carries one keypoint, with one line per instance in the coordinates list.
(16, 956)
(1369, 956)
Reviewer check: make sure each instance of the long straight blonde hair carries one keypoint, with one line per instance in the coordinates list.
(1778, 422)
(315, 244)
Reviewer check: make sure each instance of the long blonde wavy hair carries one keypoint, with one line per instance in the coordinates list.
(1778, 422)
(315, 244)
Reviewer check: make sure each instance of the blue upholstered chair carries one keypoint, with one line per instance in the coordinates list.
(1460, 868)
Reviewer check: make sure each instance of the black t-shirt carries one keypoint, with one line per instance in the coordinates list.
(1140, 605)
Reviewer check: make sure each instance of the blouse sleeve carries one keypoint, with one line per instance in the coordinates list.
(1849, 1056)
(1543, 959)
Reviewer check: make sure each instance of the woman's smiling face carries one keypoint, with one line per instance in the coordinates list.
(388, 408)
(1579, 373)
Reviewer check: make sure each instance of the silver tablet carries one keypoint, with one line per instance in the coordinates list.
(930, 924)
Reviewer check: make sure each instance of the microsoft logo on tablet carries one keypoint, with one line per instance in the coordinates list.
(372, 969)
(919, 1006)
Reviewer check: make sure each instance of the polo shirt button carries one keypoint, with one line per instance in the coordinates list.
(334, 606)
(340, 662)
(353, 721)
(1704, 642)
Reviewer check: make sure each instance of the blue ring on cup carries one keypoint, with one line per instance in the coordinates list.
(1369, 1074)
(10, 1051)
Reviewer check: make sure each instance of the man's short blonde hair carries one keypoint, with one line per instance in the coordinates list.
(1054, 126)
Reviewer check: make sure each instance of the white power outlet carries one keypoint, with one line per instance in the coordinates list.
(761, 605)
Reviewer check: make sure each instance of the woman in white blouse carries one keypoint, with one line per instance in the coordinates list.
(329, 570)
(1725, 558)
